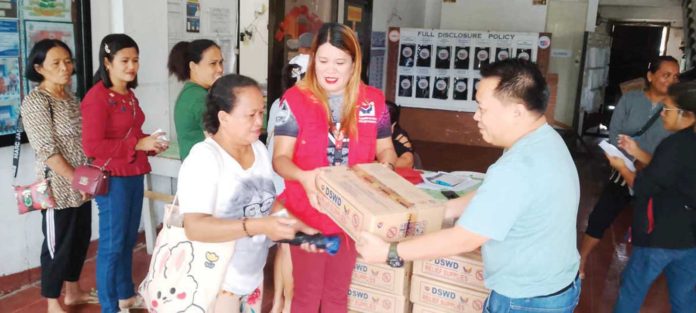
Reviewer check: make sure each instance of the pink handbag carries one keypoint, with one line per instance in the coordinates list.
(91, 180)
(37, 196)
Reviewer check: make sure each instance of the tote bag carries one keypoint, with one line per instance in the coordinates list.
(184, 275)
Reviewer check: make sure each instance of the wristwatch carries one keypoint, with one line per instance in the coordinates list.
(393, 258)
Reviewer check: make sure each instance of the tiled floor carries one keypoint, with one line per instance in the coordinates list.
(599, 287)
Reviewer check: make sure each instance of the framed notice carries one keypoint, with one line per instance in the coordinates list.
(47, 10)
(440, 69)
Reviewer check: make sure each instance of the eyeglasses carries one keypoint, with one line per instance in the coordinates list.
(672, 109)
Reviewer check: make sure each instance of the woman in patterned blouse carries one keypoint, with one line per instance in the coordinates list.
(52, 120)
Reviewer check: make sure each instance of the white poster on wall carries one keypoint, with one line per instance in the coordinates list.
(439, 69)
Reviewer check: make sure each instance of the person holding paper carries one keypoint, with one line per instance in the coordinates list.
(664, 218)
(112, 135)
(523, 215)
(636, 116)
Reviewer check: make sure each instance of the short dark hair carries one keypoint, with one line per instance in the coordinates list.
(394, 111)
(520, 80)
(184, 52)
(222, 96)
(38, 55)
(108, 48)
(684, 94)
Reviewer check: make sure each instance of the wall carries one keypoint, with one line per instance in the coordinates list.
(253, 54)
(404, 13)
(21, 235)
(508, 15)
(566, 22)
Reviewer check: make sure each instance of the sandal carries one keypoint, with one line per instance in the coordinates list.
(138, 303)
(90, 299)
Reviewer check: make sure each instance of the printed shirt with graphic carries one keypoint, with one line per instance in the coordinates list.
(212, 182)
(286, 125)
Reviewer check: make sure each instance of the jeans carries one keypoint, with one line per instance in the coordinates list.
(119, 219)
(645, 266)
(563, 302)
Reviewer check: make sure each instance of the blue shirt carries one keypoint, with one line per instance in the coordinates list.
(527, 205)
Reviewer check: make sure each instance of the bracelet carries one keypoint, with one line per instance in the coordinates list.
(244, 219)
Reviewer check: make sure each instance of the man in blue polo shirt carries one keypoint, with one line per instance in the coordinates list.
(524, 214)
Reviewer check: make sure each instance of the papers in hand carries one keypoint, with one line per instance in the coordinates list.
(612, 150)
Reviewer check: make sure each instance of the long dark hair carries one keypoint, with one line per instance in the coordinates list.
(108, 48)
(184, 52)
(223, 97)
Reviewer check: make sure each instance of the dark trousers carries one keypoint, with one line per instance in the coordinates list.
(66, 239)
(612, 201)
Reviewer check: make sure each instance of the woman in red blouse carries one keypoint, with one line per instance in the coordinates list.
(113, 138)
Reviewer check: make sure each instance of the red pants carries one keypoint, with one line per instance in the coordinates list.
(322, 280)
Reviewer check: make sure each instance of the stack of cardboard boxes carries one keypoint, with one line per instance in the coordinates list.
(370, 197)
(373, 198)
(379, 288)
(451, 284)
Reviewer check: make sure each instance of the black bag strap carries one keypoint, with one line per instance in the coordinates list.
(18, 143)
(648, 124)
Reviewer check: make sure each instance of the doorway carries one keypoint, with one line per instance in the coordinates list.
(634, 45)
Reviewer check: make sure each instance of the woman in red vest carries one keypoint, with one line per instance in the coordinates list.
(328, 118)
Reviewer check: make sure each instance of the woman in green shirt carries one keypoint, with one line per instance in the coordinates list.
(199, 64)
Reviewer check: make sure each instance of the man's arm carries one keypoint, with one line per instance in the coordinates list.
(446, 242)
(455, 207)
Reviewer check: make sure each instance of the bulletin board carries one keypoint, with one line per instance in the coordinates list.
(440, 69)
(22, 24)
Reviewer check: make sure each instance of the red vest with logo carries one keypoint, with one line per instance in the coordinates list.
(312, 143)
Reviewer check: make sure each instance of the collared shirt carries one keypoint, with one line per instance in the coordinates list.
(527, 205)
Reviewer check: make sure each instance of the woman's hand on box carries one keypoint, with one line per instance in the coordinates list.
(308, 179)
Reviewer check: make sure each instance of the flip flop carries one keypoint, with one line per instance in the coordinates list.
(91, 298)
(139, 303)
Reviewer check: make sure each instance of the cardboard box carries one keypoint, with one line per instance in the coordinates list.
(446, 297)
(464, 270)
(383, 277)
(371, 197)
(367, 300)
(633, 84)
(419, 308)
